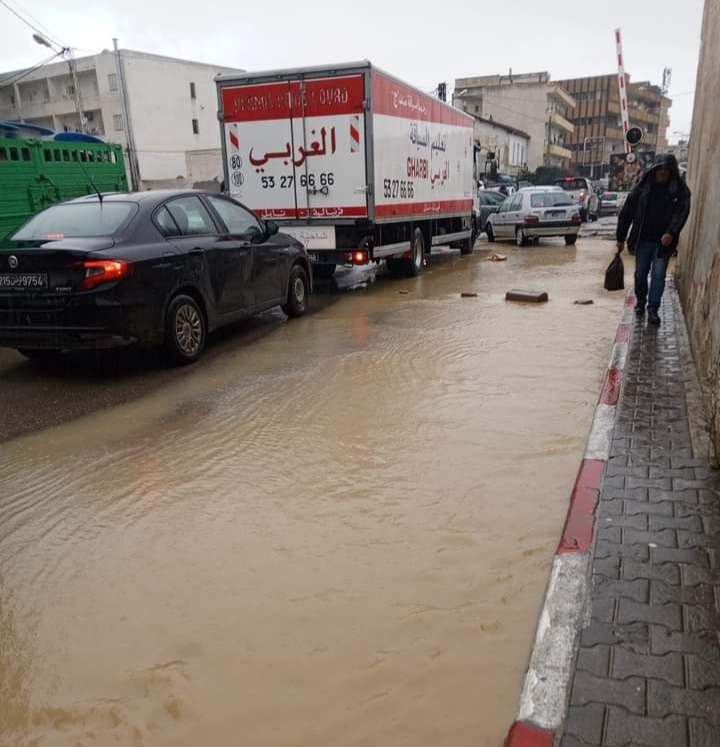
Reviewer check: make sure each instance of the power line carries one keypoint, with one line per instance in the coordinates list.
(46, 31)
(18, 76)
(30, 25)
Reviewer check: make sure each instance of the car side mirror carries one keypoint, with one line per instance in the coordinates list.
(254, 235)
(271, 228)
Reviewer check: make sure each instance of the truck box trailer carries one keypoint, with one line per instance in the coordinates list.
(356, 164)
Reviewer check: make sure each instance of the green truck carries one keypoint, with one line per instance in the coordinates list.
(38, 171)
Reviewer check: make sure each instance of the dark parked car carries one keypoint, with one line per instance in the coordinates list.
(488, 202)
(154, 268)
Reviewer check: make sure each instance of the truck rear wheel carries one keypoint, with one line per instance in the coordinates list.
(414, 265)
(467, 246)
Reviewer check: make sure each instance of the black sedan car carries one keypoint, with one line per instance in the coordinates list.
(159, 269)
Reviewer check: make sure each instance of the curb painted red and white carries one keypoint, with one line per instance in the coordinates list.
(543, 702)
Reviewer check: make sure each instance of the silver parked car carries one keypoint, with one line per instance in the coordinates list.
(582, 192)
(535, 212)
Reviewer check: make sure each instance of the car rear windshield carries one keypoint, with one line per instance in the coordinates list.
(549, 199)
(570, 185)
(77, 220)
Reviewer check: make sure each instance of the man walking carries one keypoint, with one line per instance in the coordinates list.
(657, 208)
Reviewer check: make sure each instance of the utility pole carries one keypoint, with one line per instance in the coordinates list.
(76, 88)
(68, 53)
(131, 151)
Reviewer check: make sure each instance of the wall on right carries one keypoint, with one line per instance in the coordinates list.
(699, 264)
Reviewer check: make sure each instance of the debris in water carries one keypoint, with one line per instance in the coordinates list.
(497, 258)
(468, 295)
(525, 295)
(584, 302)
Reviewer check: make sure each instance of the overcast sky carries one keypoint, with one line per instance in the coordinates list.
(422, 42)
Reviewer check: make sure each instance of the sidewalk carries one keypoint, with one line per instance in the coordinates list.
(648, 668)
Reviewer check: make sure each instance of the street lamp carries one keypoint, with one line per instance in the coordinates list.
(39, 39)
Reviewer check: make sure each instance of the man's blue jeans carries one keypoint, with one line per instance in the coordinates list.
(647, 261)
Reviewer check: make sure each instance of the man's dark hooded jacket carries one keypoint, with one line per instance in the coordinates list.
(635, 208)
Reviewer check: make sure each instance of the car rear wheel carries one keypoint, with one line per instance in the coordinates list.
(490, 233)
(520, 237)
(298, 291)
(571, 239)
(324, 271)
(185, 330)
(41, 356)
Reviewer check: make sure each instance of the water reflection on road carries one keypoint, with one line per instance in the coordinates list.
(338, 534)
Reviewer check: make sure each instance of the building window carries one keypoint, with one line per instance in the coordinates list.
(118, 122)
(196, 127)
(192, 91)
(112, 82)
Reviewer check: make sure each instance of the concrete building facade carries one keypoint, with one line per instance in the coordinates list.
(530, 103)
(506, 146)
(699, 251)
(598, 123)
(172, 108)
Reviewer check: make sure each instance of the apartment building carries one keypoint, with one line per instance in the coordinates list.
(171, 107)
(530, 103)
(598, 122)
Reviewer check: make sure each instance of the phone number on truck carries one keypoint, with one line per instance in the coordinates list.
(394, 188)
(304, 180)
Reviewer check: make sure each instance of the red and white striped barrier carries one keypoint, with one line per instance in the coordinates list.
(543, 702)
(624, 111)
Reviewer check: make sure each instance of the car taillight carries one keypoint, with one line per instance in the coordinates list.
(358, 257)
(102, 271)
(582, 197)
(532, 220)
(576, 219)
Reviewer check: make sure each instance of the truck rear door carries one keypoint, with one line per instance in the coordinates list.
(295, 149)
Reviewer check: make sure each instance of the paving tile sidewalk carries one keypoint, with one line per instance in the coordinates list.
(648, 669)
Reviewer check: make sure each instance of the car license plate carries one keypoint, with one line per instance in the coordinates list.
(556, 213)
(24, 280)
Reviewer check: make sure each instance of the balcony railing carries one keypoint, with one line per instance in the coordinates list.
(551, 149)
(557, 120)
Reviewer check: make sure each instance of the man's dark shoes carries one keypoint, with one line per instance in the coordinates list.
(653, 317)
(639, 311)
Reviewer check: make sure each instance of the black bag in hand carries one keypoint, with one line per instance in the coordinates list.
(615, 274)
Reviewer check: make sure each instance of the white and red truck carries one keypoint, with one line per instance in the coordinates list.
(356, 164)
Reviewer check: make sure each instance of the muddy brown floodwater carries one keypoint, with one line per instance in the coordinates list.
(337, 535)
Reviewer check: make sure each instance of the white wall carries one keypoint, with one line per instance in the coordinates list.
(162, 112)
(521, 107)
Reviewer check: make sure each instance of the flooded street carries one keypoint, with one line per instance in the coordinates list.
(334, 532)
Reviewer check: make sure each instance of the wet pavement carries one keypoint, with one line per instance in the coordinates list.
(334, 531)
(648, 668)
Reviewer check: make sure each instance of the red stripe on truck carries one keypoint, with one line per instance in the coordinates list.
(322, 97)
(391, 97)
(315, 212)
(424, 209)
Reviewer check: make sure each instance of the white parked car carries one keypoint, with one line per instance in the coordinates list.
(536, 212)
(581, 191)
